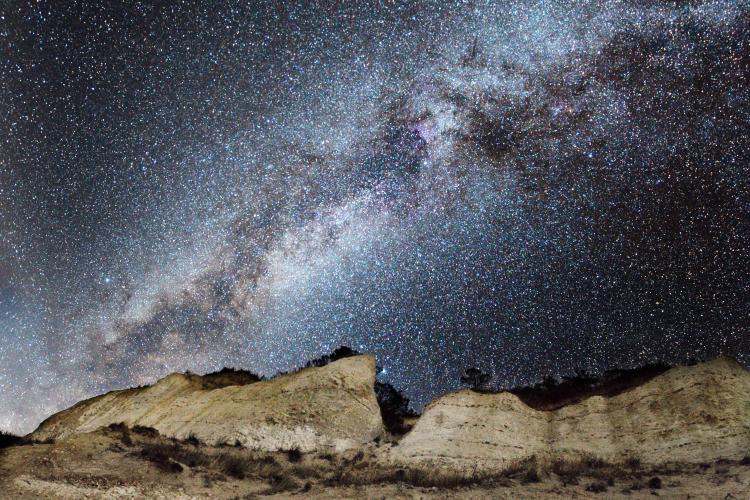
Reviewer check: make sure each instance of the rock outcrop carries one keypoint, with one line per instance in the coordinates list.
(687, 414)
(333, 406)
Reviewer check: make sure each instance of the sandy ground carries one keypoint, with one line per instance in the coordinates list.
(108, 464)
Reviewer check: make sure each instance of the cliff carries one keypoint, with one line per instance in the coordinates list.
(333, 406)
(686, 414)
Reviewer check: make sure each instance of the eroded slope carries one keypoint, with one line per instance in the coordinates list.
(331, 406)
(688, 414)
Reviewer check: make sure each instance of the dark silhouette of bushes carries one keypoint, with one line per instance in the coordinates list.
(551, 394)
(160, 456)
(123, 431)
(236, 466)
(654, 483)
(476, 379)
(192, 439)
(7, 440)
(340, 353)
(294, 455)
(394, 408)
(228, 376)
(281, 483)
(148, 432)
(597, 487)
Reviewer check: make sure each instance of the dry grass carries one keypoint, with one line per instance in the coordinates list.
(291, 470)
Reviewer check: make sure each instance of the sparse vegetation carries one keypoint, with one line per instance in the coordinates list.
(228, 376)
(597, 487)
(394, 408)
(291, 471)
(159, 456)
(7, 440)
(476, 379)
(192, 439)
(123, 431)
(235, 466)
(340, 353)
(149, 432)
(551, 394)
(531, 476)
(281, 484)
(654, 483)
(294, 455)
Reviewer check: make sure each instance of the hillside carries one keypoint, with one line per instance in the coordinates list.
(330, 406)
(677, 432)
(690, 414)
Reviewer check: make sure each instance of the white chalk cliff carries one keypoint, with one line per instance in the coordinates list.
(693, 414)
(687, 414)
(331, 406)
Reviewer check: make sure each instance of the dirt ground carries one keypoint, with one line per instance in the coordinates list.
(122, 463)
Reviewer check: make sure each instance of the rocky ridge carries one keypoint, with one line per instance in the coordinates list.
(333, 406)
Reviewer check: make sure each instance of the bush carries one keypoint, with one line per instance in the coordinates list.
(237, 467)
(476, 378)
(160, 453)
(294, 455)
(280, 484)
(654, 483)
(394, 408)
(633, 463)
(531, 476)
(8, 440)
(159, 456)
(123, 431)
(340, 353)
(149, 432)
(597, 487)
(193, 440)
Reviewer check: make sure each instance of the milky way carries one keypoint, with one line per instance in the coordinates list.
(528, 187)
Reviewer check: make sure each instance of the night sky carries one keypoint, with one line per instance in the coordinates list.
(526, 187)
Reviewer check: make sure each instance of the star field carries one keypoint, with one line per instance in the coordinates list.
(526, 187)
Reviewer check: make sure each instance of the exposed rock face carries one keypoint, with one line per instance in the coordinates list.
(687, 414)
(332, 406)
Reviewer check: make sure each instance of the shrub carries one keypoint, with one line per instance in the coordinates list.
(394, 408)
(476, 378)
(164, 452)
(193, 440)
(118, 427)
(237, 467)
(123, 431)
(7, 440)
(294, 455)
(531, 476)
(551, 394)
(340, 353)
(633, 462)
(159, 456)
(280, 484)
(597, 487)
(142, 430)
